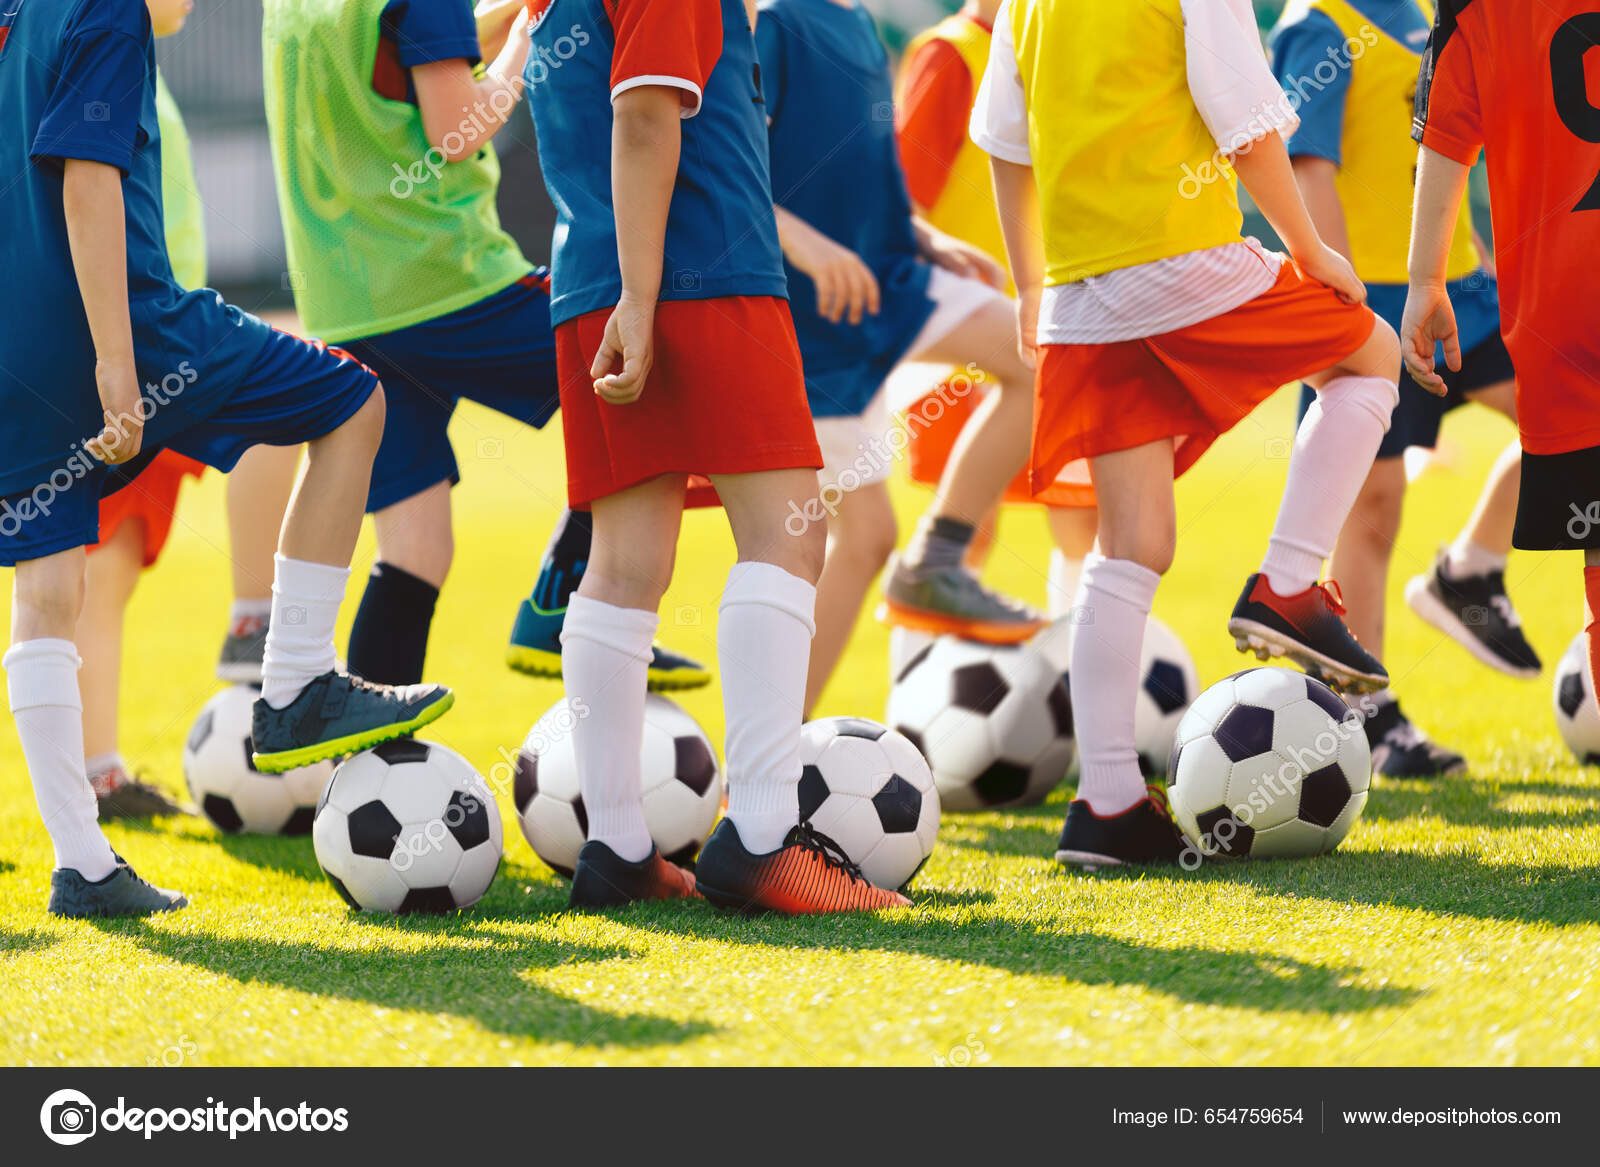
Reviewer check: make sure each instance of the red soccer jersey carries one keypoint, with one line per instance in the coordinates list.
(1521, 79)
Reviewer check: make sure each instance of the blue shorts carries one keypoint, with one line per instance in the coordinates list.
(499, 352)
(296, 391)
(1484, 361)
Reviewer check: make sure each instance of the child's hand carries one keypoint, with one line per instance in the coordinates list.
(629, 342)
(1028, 300)
(1428, 320)
(963, 259)
(123, 434)
(846, 286)
(1325, 265)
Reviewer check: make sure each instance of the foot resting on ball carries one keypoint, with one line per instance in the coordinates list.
(1144, 833)
(122, 893)
(808, 874)
(1309, 629)
(603, 879)
(339, 714)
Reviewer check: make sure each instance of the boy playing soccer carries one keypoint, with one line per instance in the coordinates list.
(1355, 162)
(1159, 328)
(676, 355)
(170, 369)
(400, 259)
(871, 286)
(1516, 81)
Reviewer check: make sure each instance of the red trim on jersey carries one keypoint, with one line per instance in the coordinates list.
(931, 118)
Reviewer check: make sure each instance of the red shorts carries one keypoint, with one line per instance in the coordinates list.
(1194, 384)
(725, 395)
(152, 499)
(936, 421)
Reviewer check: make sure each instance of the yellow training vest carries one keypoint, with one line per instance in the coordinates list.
(965, 207)
(1127, 171)
(1378, 170)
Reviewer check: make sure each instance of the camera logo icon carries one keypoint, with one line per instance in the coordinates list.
(68, 1117)
(96, 111)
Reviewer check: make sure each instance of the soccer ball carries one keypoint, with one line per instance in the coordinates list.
(223, 781)
(1168, 684)
(1577, 715)
(1268, 762)
(682, 785)
(868, 789)
(408, 826)
(993, 721)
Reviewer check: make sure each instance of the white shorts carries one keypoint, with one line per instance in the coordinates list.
(860, 450)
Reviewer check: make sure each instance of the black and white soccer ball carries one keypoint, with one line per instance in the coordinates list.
(1168, 684)
(1577, 715)
(682, 784)
(223, 781)
(1268, 763)
(993, 721)
(408, 826)
(869, 789)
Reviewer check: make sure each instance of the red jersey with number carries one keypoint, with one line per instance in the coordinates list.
(1521, 80)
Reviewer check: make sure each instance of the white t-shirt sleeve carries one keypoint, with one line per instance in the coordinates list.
(999, 123)
(1229, 78)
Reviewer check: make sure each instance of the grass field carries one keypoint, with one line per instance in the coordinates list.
(1458, 925)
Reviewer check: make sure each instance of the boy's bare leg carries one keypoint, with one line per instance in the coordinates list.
(258, 495)
(112, 574)
(1495, 517)
(861, 537)
(1360, 560)
(1073, 531)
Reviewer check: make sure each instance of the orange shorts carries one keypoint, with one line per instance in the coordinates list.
(936, 421)
(151, 499)
(1193, 384)
(725, 395)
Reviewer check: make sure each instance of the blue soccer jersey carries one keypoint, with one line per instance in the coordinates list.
(77, 81)
(721, 239)
(836, 165)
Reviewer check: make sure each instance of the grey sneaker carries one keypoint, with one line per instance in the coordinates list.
(952, 600)
(122, 893)
(341, 714)
(242, 652)
(124, 796)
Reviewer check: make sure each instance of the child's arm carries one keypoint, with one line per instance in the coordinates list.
(1317, 179)
(1014, 195)
(846, 287)
(97, 235)
(461, 114)
(1263, 166)
(495, 20)
(956, 255)
(646, 140)
(1429, 318)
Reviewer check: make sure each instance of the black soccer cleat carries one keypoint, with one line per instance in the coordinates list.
(1309, 629)
(1401, 750)
(121, 795)
(122, 893)
(338, 714)
(1142, 834)
(809, 874)
(1475, 612)
(603, 879)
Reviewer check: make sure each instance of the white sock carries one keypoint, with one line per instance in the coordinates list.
(605, 663)
(104, 764)
(764, 632)
(1333, 453)
(42, 676)
(1116, 595)
(249, 610)
(1468, 557)
(305, 607)
(1062, 586)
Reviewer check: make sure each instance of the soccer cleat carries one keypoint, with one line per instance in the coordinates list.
(952, 600)
(243, 650)
(808, 874)
(535, 649)
(603, 879)
(1309, 629)
(340, 714)
(122, 893)
(120, 795)
(1401, 750)
(1475, 612)
(1142, 834)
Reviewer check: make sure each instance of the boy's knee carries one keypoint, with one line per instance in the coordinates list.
(48, 595)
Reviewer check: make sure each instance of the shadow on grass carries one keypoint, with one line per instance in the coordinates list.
(288, 854)
(1474, 802)
(31, 940)
(472, 970)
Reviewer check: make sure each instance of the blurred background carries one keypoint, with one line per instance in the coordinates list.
(214, 69)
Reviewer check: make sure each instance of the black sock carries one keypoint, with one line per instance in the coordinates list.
(940, 544)
(564, 560)
(389, 640)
